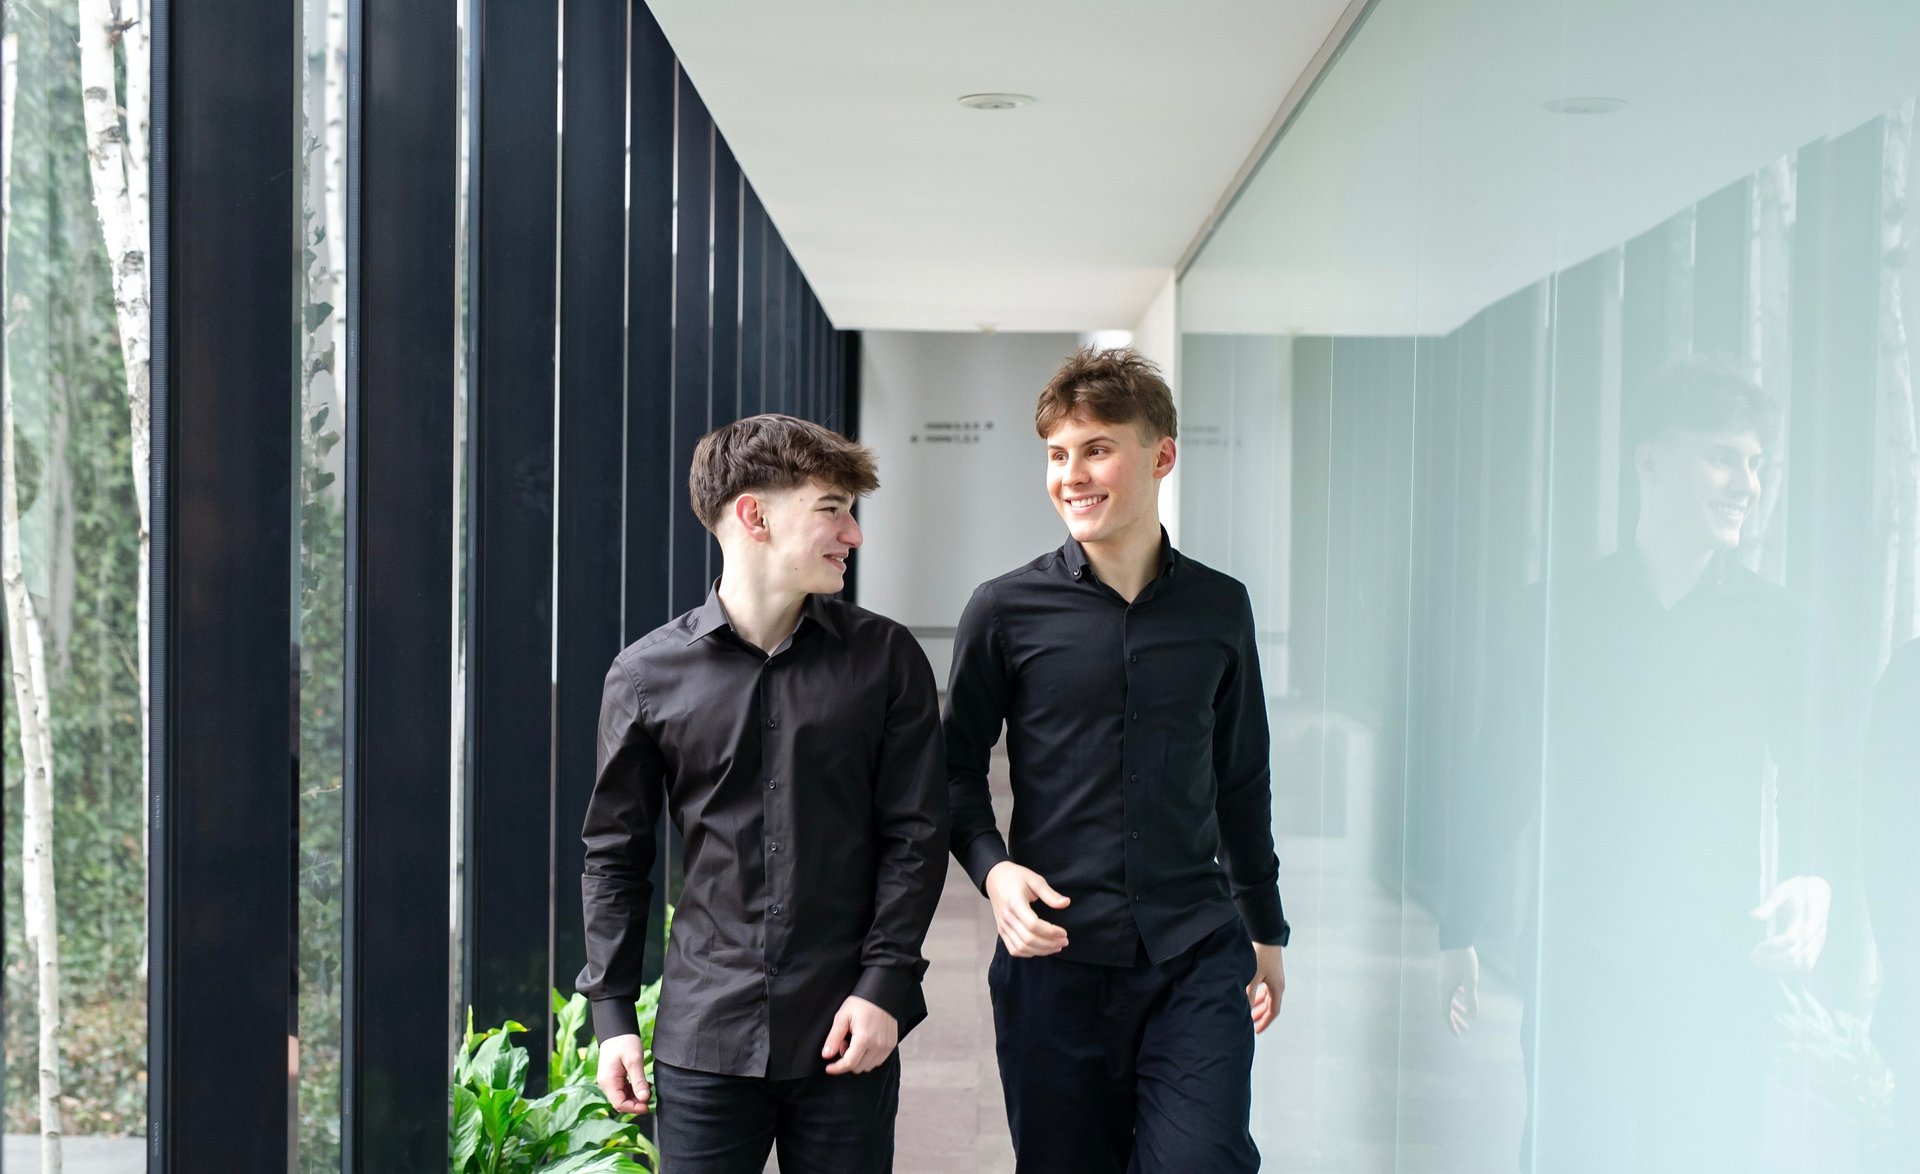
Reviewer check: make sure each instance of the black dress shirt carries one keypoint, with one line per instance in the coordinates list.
(1137, 738)
(806, 785)
(1638, 738)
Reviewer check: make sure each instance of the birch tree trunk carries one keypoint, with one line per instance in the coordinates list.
(1898, 618)
(334, 180)
(117, 167)
(27, 656)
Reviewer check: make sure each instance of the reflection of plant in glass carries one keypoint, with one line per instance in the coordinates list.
(1838, 1058)
(494, 1129)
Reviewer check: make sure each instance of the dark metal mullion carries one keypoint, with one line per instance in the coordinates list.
(509, 807)
(692, 338)
(591, 458)
(753, 302)
(223, 747)
(402, 119)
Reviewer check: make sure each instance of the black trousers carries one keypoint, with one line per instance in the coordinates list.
(1142, 1069)
(714, 1124)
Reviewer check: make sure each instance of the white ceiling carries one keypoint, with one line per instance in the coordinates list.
(908, 211)
(1425, 180)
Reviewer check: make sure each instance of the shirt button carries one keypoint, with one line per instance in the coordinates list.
(770, 784)
(1136, 898)
(775, 910)
(771, 723)
(1133, 836)
(1133, 778)
(772, 847)
(1136, 715)
(1076, 574)
(774, 970)
(1134, 659)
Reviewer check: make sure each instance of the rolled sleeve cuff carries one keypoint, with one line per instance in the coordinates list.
(614, 1017)
(895, 991)
(1266, 921)
(980, 854)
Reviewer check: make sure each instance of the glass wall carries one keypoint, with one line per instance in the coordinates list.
(73, 544)
(1551, 386)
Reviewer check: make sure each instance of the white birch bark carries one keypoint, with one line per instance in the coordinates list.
(1898, 614)
(27, 657)
(117, 168)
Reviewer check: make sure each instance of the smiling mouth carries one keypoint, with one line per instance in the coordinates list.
(838, 560)
(1735, 514)
(1082, 504)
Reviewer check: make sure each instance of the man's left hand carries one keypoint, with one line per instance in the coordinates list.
(1801, 903)
(862, 1038)
(1269, 983)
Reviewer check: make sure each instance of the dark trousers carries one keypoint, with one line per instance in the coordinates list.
(1143, 1069)
(713, 1124)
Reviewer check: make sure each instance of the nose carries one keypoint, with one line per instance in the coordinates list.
(1074, 472)
(1746, 483)
(850, 533)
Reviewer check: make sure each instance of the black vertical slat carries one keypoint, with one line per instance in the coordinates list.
(1577, 480)
(224, 753)
(1648, 341)
(509, 798)
(650, 481)
(793, 349)
(774, 343)
(692, 338)
(401, 228)
(753, 301)
(591, 442)
(726, 286)
(652, 488)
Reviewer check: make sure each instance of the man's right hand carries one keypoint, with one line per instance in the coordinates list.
(1460, 988)
(623, 1074)
(1013, 890)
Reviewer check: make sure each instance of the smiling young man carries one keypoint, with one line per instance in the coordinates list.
(794, 739)
(1128, 682)
(1635, 709)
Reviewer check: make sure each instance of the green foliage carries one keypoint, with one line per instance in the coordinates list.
(495, 1129)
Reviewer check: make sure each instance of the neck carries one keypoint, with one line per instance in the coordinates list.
(1673, 568)
(1127, 562)
(761, 615)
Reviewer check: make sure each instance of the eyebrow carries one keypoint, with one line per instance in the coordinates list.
(836, 497)
(1089, 440)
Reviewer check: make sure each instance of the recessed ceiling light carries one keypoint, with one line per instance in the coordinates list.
(995, 101)
(1586, 105)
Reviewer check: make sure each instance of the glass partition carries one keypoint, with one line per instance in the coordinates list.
(1551, 387)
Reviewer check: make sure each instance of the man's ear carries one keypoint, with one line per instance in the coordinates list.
(748, 510)
(1646, 460)
(1164, 453)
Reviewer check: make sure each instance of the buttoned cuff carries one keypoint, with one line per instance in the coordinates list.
(980, 854)
(1266, 922)
(895, 991)
(614, 1017)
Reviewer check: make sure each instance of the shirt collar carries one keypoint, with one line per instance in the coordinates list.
(710, 616)
(1075, 558)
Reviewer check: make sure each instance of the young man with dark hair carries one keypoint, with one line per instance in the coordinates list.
(1128, 681)
(795, 741)
(1634, 709)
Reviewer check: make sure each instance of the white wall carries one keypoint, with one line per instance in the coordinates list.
(948, 516)
(1156, 335)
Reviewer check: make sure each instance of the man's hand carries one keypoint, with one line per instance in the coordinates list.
(862, 1037)
(1460, 988)
(623, 1074)
(1801, 903)
(1269, 983)
(1013, 890)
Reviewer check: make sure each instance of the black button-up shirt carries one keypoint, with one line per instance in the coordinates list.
(807, 787)
(1137, 738)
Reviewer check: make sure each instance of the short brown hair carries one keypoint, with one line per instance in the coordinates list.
(1701, 394)
(1114, 386)
(773, 452)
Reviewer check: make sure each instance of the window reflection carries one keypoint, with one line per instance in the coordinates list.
(1570, 460)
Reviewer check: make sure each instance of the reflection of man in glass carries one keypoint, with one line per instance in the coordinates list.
(1893, 887)
(1635, 714)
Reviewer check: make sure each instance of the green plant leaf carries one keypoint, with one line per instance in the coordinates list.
(595, 1162)
(463, 1139)
(315, 314)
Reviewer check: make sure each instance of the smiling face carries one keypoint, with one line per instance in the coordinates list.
(1104, 479)
(810, 532)
(1699, 488)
